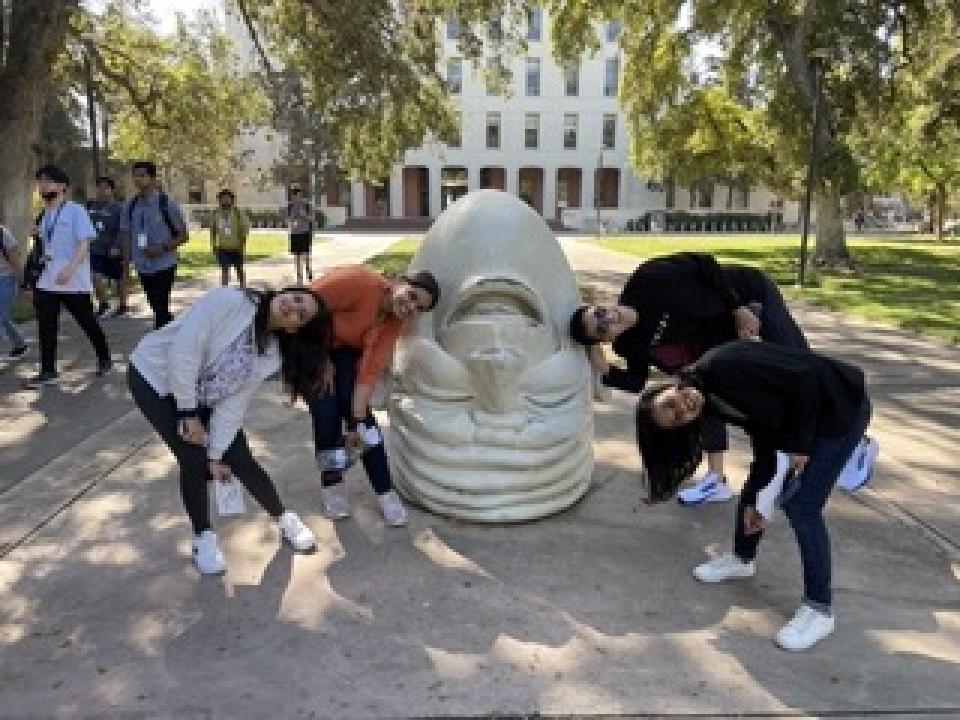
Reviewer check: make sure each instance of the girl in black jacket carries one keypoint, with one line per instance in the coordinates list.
(808, 406)
(674, 308)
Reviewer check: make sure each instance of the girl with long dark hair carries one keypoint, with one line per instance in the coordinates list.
(194, 378)
(810, 407)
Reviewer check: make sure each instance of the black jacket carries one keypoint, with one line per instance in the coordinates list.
(782, 397)
(681, 299)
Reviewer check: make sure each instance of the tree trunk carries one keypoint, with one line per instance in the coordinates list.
(941, 200)
(37, 32)
(831, 247)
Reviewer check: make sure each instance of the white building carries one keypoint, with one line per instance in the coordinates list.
(556, 138)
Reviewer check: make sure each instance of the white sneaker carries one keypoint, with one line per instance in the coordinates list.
(206, 554)
(296, 533)
(712, 488)
(334, 502)
(806, 629)
(394, 513)
(725, 567)
(859, 468)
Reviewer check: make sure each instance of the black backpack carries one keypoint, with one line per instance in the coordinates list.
(34, 262)
(164, 211)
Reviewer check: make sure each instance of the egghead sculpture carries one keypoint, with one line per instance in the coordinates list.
(490, 411)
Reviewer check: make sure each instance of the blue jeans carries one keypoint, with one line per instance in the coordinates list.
(328, 413)
(8, 293)
(804, 510)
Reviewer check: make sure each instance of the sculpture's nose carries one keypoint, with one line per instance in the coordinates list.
(496, 374)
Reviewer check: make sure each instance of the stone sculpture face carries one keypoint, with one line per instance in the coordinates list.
(490, 412)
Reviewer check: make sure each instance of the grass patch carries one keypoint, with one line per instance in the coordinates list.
(910, 284)
(395, 259)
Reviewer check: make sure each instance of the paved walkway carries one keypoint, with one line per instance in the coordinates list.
(591, 612)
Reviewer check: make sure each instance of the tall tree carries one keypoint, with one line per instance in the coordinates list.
(756, 119)
(911, 141)
(32, 35)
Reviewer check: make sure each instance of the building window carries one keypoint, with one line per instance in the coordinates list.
(456, 140)
(570, 131)
(531, 131)
(535, 24)
(455, 75)
(611, 77)
(493, 131)
(453, 29)
(533, 77)
(609, 131)
(701, 194)
(571, 80)
(612, 30)
(495, 28)
(743, 195)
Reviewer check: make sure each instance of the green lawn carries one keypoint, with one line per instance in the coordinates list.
(911, 284)
(394, 260)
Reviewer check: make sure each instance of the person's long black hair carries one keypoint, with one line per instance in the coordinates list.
(670, 455)
(303, 354)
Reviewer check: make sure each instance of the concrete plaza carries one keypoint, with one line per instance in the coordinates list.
(592, 612)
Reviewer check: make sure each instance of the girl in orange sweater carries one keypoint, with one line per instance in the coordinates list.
(368, 312)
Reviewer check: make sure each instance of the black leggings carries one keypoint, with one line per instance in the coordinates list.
(192, 459)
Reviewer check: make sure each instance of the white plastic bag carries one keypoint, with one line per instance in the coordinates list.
(229, 496)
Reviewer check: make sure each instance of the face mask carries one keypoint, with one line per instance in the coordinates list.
(50, 195)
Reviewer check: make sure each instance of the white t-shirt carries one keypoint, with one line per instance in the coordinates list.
(62, 229)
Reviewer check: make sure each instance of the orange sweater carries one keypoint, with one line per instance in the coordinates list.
(353, 295)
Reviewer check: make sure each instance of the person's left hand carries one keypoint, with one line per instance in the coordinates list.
(747, 324)
(798, 462)
(353, 443)
(753, 521)
(219, 471)
(63, 277)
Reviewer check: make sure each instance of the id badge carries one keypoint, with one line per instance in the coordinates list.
(141, 240)
(100, 225)
(229, 497)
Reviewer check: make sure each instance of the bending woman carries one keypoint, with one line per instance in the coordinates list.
(808, 406)
(674, 308)
(369, 312)
(194, 378)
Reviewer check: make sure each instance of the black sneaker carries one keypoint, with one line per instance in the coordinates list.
(41, 379)
(102, 310)
(18, 351)
(104, 368)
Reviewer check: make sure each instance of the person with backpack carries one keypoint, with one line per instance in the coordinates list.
(109, 255)
(10, 278)
(64, 234)
(300, 223)
(229, 228)
(154, 224)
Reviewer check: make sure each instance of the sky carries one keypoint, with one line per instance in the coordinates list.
(166, 10)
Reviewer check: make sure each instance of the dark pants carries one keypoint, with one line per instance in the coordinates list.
(158, 287)
(329, 412)
(777, 326)
(804, 509)
(192, 459)
(79, 305)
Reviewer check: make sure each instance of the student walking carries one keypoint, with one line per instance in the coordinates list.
(369, 312)
(155, 226)
(11, 276)
(109, 254)
(813, 408)
(194, 378)
(300, 223)
(674, 308)
(229, 229)
(65, 232)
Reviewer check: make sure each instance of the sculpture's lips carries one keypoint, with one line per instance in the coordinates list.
(496, 295)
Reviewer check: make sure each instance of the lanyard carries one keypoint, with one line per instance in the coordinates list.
(48, 228)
